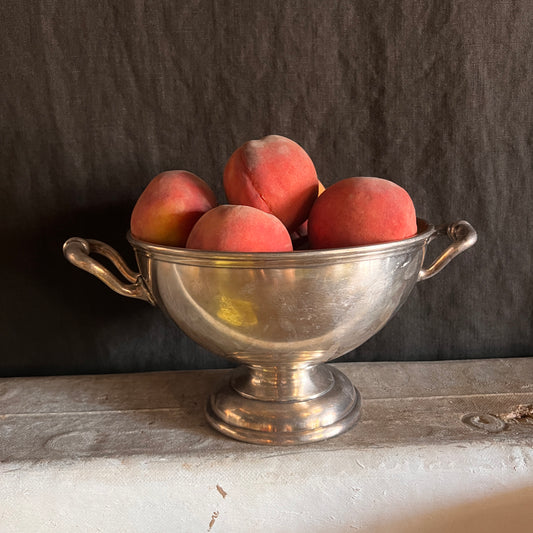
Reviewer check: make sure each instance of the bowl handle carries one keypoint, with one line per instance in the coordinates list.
(78, 251)
(462, 235)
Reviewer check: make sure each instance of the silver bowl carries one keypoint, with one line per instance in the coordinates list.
(280, 317)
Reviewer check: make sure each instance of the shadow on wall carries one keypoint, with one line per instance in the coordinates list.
(509, 511)
(63, 320)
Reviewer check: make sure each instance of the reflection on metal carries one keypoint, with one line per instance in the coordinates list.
(280, 316)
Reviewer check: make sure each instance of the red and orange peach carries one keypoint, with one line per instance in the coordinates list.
(170, 206)
(274, 174)
(360, 211)
(239, 228)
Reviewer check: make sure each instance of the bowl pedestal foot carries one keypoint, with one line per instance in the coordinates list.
(283, 405)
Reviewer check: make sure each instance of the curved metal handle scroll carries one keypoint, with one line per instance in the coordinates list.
(77, 251)
(462, 235)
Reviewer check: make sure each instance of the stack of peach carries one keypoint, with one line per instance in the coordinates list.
(276, 203)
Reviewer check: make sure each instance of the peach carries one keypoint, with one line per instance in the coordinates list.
(274, 174)
(169, 207)
(359, 211)
(239, 228)
(299, 235)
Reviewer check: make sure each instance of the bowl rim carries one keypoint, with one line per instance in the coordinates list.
(293, 258)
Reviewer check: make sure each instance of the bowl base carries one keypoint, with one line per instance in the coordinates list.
(286, 422)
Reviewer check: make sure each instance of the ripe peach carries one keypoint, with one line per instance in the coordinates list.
(299, 235)
(169, 207)
(239, 228)
(273, 174)
(358, 211)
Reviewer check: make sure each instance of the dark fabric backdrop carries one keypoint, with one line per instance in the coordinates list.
(100, 96)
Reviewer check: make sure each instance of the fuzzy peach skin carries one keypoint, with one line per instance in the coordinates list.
(359, 211)
(273, 174)
(170, 206)
(301, 231)
(239, 228)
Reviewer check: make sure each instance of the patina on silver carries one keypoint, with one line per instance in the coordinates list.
(279, 317)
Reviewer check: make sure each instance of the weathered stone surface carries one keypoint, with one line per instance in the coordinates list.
(134, 453)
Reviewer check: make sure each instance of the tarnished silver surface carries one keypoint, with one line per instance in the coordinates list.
(280, 316)
(78, 251)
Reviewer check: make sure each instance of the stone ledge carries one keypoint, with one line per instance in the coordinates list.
(134, 453)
